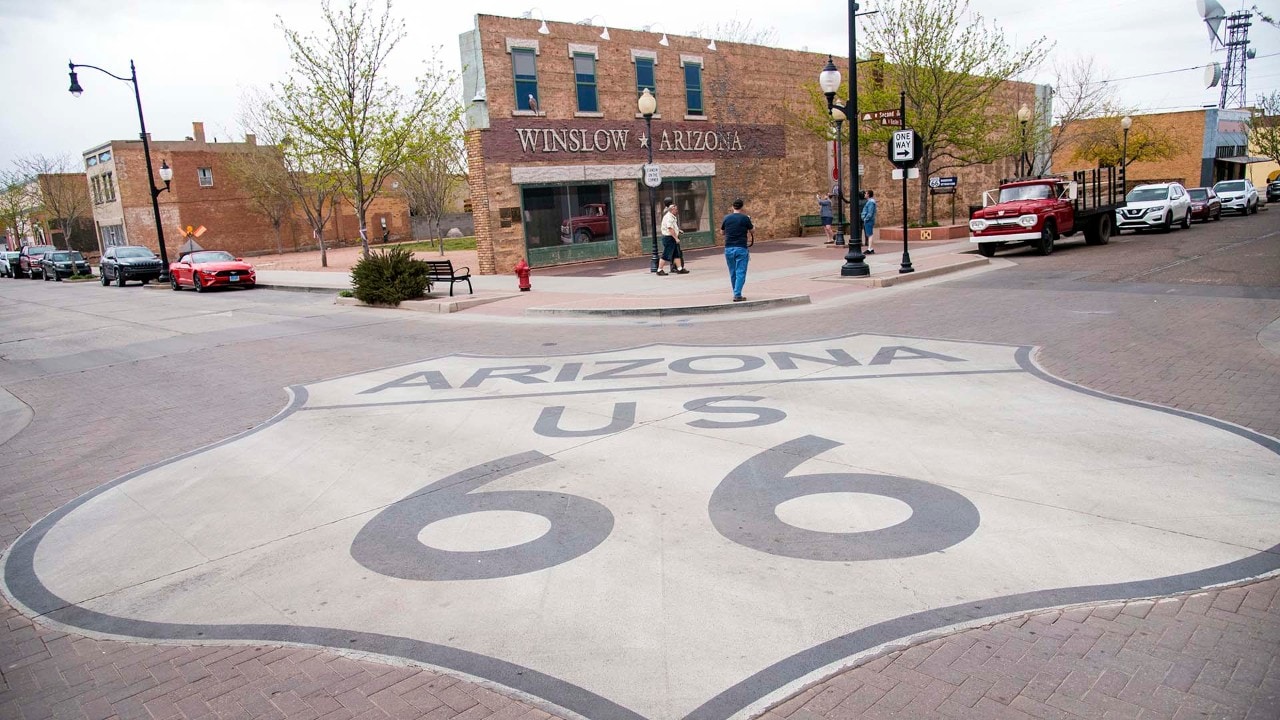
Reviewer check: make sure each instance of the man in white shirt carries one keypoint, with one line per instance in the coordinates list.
(670, 231)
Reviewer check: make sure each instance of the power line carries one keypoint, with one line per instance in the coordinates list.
(1179, 70)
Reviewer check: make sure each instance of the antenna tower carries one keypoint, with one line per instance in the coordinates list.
(1234, 93)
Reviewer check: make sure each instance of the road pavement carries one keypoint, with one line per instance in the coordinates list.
(854, 508)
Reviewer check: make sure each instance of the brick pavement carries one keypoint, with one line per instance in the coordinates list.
(1189, 349)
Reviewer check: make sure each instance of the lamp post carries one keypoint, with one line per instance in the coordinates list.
(1125, 124)
(166, 174)
(837, 114)
(648, 104)
(855, 263)
(1024, 163)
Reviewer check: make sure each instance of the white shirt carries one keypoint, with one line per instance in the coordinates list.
(670, 226)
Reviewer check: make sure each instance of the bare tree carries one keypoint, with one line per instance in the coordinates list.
(1080, 92)
(261, 171)
(15, 205)
(64, 195)
(337, 102)
(738, 31)
(1264, 126)
(1103, 142)
(431, 183)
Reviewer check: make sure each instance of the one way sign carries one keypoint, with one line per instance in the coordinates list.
(904, 150)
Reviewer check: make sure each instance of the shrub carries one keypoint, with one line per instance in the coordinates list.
(389, 277)
(346, 293)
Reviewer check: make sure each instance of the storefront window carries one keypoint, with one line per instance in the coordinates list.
(567, 215)
(692, 198)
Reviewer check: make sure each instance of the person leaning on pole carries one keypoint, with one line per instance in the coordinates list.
(671, 240)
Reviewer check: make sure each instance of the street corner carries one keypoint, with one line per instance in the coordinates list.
(666, 531)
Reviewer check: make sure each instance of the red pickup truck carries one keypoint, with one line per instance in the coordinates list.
(1039, 211)
(592, 222)
(29, 258)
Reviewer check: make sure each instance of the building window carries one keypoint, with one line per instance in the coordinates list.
(693, 88)
(525, 65)
(206, 176)
(108, 188)
(112, 235)
(692, 197)
(104, 156)
(95, 190)
(567, 215)
(584, 75)
(645, 77)
(90, 162)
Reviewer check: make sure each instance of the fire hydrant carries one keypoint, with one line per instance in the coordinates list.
(522, 274)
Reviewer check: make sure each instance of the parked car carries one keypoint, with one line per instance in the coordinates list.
(591, 222)
(128, 262)
(1237, 196)
(29, 260)
(1205, 204)
(206, 269)
(1273, 191)
(1039, 211)
(1156, 206)
(62, 263)
(8, 263)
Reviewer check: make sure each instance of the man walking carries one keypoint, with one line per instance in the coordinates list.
(869, 219)
(671, 240)
(739, 233)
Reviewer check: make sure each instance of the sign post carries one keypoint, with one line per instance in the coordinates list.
(944, 186)
(904, 152)
(652, 175)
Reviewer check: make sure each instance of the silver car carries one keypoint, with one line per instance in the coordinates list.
(1158, 206)
(1237, 196)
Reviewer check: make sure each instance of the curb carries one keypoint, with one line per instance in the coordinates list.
(444, 304)
(745, 306)
(301, 288)
(898, 279)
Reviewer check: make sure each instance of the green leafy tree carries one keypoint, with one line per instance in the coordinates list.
(1264, 127)
(339, 105)
(952, 65)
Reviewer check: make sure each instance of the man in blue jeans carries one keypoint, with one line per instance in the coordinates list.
(739, 233)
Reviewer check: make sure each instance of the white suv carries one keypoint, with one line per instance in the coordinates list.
(1148, 207)
(1237, 196)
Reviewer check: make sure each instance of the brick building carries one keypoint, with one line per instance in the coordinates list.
(1212, 146)
(722, 130)
(204, 192)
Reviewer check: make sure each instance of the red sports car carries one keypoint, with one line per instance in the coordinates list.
(207, 269)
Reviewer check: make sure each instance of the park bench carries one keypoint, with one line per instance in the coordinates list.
(442, 271)
(812, 221)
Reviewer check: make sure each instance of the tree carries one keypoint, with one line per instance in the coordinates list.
(303, 171)
(261, 171)
(1264, 127)
(15, 205)
(737, 31)
(952, 64)
(430, 183)
(64, 196)
(1104, 143)
(1080, 93)
(338, 104)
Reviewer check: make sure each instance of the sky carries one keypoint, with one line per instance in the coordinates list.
(196, 59)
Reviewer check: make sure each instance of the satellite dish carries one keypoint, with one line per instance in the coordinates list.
(1213, 14)
(1212, 75)
(1251, 53)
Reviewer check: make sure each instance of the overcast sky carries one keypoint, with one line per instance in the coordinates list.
(196, 58)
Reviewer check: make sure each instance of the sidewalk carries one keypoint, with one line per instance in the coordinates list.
(788, 271)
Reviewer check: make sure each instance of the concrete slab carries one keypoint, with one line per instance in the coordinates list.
(665, 531)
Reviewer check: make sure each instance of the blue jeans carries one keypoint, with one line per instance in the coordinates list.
(736, 258)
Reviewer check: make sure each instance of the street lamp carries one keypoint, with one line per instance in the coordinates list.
(648, 104)
(837, 114)
(166, 174)
(1125, 124)
(1024, 115)
(855, 263)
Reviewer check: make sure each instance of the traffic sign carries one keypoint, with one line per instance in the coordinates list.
(652, 175)
(886, 117)
(943, 183)
(905, 149)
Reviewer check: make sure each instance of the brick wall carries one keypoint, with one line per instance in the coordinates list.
(780, 169)
(1185, 128)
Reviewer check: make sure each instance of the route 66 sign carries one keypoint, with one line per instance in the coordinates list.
(661, 532)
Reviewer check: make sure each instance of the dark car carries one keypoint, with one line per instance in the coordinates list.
(29, 260)
(64, 263)
(8, 263)
(1205, 204)
(1273, 191)
(129, 262)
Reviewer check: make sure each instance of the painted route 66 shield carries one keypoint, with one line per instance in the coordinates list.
(666, 531)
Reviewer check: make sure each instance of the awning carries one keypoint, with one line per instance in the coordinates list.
(1244, 160)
